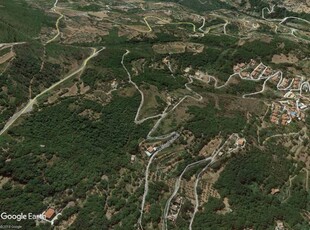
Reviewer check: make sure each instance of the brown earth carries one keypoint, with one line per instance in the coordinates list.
(6, 57)
(281, 58)
(178, 47)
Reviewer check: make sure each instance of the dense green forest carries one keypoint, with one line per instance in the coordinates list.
(77, 153)
(28, 75)
(202, 6)
(223, 52)
(208, 121)
(29, 27)
(282, 12)
(247, 181)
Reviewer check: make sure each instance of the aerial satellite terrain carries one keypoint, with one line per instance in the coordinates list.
(155, 114)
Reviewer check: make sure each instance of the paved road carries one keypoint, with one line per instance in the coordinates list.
(31, 102)
(213, 159)
(278, 74)
(166, 111)
(147, 172)
(281, 21)
(5, 45)
(177, 187)
(137, 121)
(198, 97)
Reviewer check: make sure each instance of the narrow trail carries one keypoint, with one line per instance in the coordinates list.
(203, 25)
(224, 28)
(10, 57)
(208, 29)
(57, 23)
(7, 66)
(177, 187)
(291, 178)
(213, 159)
(269, 11)
(150, 29)
(291, 17)
(7, 45)
(31, 102)
(307, 178)
(280, 135)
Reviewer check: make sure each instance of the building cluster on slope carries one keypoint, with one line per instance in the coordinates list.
(252, 70)
(284, 112)
(243, 65)
(233, 145)
(150, 149)
(175, 208)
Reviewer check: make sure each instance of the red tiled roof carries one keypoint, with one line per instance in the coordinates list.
(49, 213)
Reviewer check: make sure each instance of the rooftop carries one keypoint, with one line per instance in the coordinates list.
(49, 213)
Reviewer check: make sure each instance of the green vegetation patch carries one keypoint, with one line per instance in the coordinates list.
(161, 80)
(203, 5)
(90, 7)
(247, 181)
(22, 19)
(208, 121)
(77, 151)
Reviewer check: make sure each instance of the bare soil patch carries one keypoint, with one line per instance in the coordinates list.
(3, 181)
(178, 47)
(6, 57)
(208, 149)
(281, 58)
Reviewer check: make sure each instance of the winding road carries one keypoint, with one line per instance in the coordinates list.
(197, 97)
(166, 111)
(280, 135)
(57, 23)
(150, 29)
(146, 188)
(147, 172)
(213, 159)
(281, 21)
(177, 187)
(279, 74)
(161, 116)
